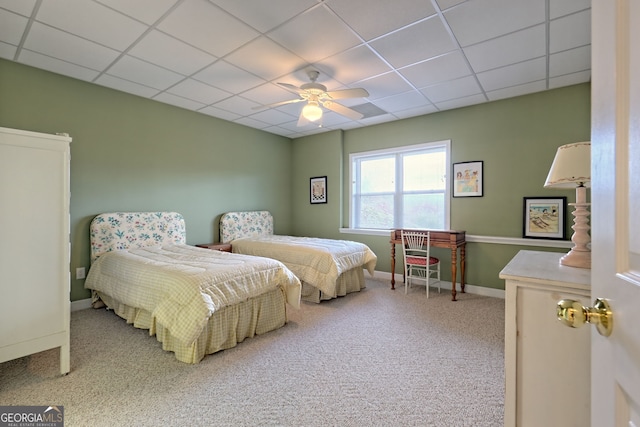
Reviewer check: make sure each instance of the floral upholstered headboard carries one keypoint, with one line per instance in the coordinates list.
(234, 225)
(126, 230)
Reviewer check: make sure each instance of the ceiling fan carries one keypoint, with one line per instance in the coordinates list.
(316, 96)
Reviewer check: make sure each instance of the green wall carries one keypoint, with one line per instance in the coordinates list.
(516, 139)
(134, 154)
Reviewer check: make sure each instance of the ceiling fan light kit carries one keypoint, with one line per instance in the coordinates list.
(312, 111)
(317, 96)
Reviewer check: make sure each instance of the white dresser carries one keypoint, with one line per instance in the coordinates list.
(547, 364)
(34, 244)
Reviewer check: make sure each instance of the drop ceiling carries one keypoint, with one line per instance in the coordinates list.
(224, 58)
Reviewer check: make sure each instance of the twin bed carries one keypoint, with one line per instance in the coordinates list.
(195, 301)
(327, 268)
(199, 301)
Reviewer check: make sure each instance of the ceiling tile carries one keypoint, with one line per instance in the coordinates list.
(413, 112)
(477, 21)
(237, 104)
(509, 49)
(12, 27)
(364, 15)
(570, 79)
(229, 77)
(513, 75)
(519, 90)
(570, 61)
(147, 11)
(385, 85)
(559, 8)
(35, 59)
(58, 44)
(138, 71)
(446, 4)
(570, 31)
(445, 67)
(222, 114)
(315, 35)
(178, 101)
(23, 7)
(452, 89)
(198, 91)
(7, 51)
(353, 65)
(92, 21)
(265, 15)
(273, 116)
(415, 43)
(126, 86)
(207, 27)
(265, 58)
(461, 102)
(401, 102)
(165, 51)
(269, 93)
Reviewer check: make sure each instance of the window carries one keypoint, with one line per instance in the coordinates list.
(403, 187)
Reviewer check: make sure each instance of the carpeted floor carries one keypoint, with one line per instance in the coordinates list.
(373, 358)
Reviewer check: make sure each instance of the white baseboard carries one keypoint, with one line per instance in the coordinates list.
(81, 304)
(471, 289)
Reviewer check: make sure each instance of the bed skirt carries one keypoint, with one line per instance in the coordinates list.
(349, 281)
(225, 328)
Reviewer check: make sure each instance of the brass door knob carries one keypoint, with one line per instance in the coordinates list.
(574, 314)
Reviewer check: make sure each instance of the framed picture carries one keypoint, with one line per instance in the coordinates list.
(544, 217)
(468, 179)
(318, 189)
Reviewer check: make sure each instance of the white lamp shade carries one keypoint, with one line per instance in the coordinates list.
(312, 111)
(571, 167)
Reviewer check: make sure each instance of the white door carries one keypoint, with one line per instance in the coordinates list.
(615, 209)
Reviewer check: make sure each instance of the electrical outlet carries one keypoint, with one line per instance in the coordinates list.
(80, 273)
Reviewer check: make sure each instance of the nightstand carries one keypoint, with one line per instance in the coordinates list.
(223, 247)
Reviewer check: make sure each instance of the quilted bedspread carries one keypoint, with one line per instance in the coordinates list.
(316, 261)
(182, 286)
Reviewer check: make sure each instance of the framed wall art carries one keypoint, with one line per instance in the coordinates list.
(544, 217)
(318, 189)
(468, 179)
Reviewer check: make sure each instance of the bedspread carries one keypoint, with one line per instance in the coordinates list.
(182, 286)
(317, 261)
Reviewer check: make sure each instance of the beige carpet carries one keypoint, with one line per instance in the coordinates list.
(373, 358)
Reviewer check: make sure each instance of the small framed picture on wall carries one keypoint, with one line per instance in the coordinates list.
(318, 189)
(468, 179)
(544, 217)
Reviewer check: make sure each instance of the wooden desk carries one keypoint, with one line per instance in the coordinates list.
(440, 239)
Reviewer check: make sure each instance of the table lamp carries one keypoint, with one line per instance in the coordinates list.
(571, 168)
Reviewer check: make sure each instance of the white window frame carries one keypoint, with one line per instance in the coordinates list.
(394, 151)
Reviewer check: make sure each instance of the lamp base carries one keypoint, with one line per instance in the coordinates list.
(576, 258)
(580, 255)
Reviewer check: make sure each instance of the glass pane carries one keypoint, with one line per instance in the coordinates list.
(376, 212)
(377, 176)
(425, 171)
(423, 211)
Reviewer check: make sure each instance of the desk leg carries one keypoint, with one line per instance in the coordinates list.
(393, 265)
(462, 262)
(454, 261)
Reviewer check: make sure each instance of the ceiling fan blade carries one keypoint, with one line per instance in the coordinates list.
(348, 93)
(292, 88)
(277, 104)
(342, 110)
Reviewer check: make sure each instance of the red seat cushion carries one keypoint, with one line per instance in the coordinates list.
(422, 261)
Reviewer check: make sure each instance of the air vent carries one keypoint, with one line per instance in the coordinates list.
(368, 110)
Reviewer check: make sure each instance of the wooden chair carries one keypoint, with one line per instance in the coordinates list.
(418, 263)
